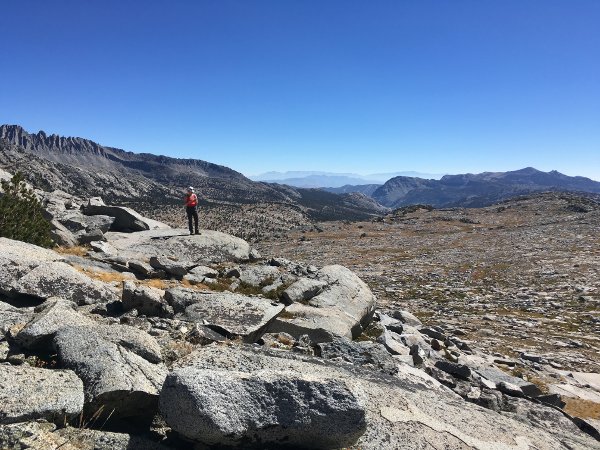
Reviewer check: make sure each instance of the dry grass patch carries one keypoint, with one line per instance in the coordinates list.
(585, 409)
(155, 283)
(78, 250)
(197, 286)
(106, 277)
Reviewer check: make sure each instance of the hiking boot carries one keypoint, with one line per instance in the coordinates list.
(191, 233)
(197, 232)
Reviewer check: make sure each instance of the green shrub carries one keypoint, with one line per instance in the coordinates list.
(21, 214)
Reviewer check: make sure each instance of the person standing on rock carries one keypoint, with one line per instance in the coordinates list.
(191, 208)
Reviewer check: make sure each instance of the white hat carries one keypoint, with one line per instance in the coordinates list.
(190, 188)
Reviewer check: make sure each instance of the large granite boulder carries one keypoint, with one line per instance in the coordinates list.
(24, 253)
(230, 314)
(343, 308)
(117, 381)
(361, 353)
(61, 235)
(51, 279)
(36, 272)
(264, 408)
(78, 222)
(410, 410)
(9, 316)
(126, 219)
(146, 300)
(29, 393)
(132, 339)
(258, 275)
(206, 248)
(177, 269)
(303, 290)
(55, 313)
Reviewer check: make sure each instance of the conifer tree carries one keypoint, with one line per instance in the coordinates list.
(21, 214)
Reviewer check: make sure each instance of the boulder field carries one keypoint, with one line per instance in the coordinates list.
(154, 339)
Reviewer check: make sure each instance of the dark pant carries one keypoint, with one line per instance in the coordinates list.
(192, 212)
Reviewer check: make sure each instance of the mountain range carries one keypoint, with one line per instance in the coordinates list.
(477, 190)
(82, 167)
(85, 168)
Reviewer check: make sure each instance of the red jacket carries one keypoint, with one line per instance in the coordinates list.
(191, 200)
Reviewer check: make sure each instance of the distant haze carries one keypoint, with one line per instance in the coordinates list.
(316, 179)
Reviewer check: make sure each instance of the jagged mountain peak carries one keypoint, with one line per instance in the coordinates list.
(78, 151)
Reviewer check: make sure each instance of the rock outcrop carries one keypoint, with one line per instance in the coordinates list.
(125, 219)
(117, 382)
(207, 248)
(29, 393)
(30, 271)
(53, 279)
(229, 313)
(410, 410)
(264, 408)
(343, 308)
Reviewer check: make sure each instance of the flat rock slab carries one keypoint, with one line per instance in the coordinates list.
(19, 258)
(114, 378)
(364, 353)
(45, 436)
(29, 393)
(234, 314)
(408, 411)
(263, 408)
(53, 279)
(590, 379)
(22, 251)
(343, 308)
(497, 376)
(206, 248)
(568, 390)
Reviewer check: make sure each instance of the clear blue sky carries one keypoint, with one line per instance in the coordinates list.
(344, 86)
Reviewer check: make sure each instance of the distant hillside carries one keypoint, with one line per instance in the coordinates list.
(366, 189)
(476, 190)
(85, 168)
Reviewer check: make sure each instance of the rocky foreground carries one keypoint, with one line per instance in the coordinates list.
(155, 339)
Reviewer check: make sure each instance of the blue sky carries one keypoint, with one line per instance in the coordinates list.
(342, 86)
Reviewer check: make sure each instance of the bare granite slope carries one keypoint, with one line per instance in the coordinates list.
(194, 348)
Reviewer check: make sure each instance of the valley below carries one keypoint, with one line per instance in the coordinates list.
(519, 280)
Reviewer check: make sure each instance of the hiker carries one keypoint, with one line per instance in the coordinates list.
(191, 204)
